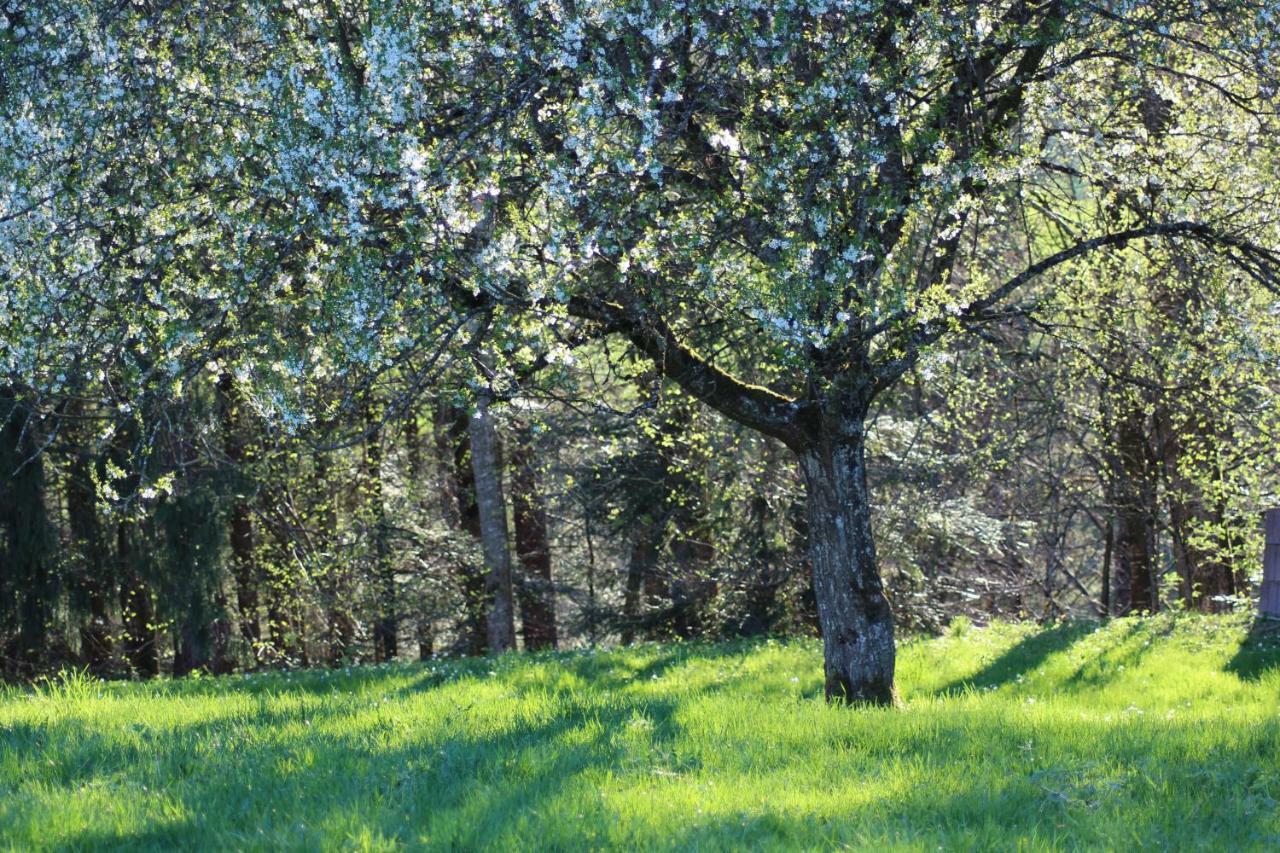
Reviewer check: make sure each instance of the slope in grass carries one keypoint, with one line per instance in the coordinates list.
(1142, 733)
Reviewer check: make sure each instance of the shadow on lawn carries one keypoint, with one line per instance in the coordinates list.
(469, 789)
(1259, 651)
(604, 671)
(165, 836)
(1023, 657)
(464, 783)
(500, 779)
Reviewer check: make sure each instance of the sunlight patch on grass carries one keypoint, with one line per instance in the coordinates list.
(1050, 737)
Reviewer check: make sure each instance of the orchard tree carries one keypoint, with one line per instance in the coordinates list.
(782, 205)
(845, 181)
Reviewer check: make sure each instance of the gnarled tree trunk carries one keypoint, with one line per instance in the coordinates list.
(856, 621)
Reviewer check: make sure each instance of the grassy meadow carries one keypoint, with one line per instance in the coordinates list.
(1160, 733)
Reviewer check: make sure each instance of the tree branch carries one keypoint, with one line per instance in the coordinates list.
(751, 405)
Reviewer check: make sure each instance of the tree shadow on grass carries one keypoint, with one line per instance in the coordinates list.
(1023, 657)
(163, 836)
(1258, 653)
(604, 671)
(502, 782)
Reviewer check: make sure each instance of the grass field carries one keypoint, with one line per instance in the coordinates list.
(1162, 733)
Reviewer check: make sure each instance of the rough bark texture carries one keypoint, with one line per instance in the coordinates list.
(857, 624)
(487, 468)
(533, 548)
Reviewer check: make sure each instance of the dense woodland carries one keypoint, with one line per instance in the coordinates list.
(347, 331)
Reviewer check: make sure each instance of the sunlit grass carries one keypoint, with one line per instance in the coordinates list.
(1163, 733)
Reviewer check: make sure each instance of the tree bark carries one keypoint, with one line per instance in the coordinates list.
(386, 621)
(641, 568)
(535, 590)
(1135, 510)
(92, 557)
(28, 547)
(764, 578)
(336, 580)
(244, 568)
(458, 503)
(486, 466)
(856, 621)
(1106, 567)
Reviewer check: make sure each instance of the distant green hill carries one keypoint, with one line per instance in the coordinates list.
(1160, 733)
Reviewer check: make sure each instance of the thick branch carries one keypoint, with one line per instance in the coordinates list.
(750, 405)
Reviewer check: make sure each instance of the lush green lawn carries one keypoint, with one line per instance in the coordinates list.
(1163, 733)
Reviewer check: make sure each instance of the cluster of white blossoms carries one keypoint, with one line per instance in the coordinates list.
(774, 160)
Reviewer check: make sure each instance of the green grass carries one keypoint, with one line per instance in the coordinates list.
(1162, 734)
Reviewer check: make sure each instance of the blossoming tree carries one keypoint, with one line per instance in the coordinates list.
(782, 205)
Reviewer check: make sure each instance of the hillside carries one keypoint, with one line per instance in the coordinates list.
(1155, 733)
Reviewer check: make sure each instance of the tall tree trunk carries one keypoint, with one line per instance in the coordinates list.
(529, 513)
(856, 621)
(141, 644)
(243, 564)
(458, 503)
(92, 559)
(28, 550)
(386, 620)
(487, 467)
(765, 578)
(424, 611)
(1199, 528)
(336, 579)
(641, 589)
(1135, 488)
(1107, 547)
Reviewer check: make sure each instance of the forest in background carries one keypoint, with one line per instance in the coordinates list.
(356, 331)
(1022, 476)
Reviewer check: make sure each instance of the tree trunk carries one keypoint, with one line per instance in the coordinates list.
(424, 609)
(764, 578)
(29, 546)
(1106, 568)
(856, 621)
(1135, 511)
(641, 568)
(386, 620)
(486, 465)
(458, 503)
(244, 568)
(136, 610)
(92, 558)
(1199, 528)
(529, 512)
